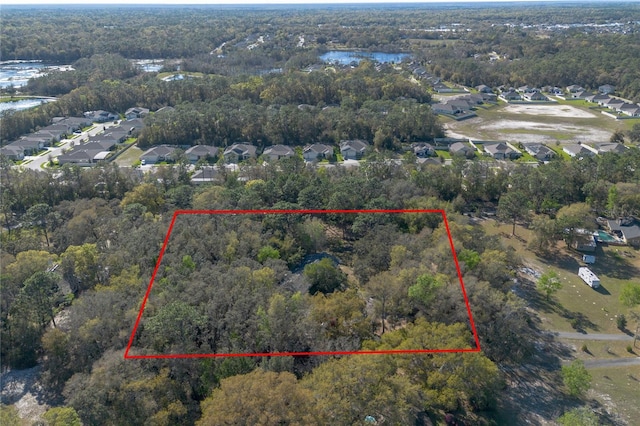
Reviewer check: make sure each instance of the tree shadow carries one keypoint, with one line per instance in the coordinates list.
(614, 264)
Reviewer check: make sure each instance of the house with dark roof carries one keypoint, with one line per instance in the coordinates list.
(574, 88)
(198, 152)
(277, 152)
(539, 151)
(501, 151)
(580, 95)
(159, 154)
(353, 149)
(628, 109)
(626, 229)
(431, 161)
(239, 152)
(316, 152)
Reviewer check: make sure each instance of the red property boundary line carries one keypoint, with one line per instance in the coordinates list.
(264, 212)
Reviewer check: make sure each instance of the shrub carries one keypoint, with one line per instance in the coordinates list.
(621, 322)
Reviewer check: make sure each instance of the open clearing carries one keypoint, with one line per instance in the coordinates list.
(539, 123)
(554, 110)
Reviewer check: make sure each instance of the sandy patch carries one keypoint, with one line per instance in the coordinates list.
(553, 110)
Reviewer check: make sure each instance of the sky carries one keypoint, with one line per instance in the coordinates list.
(213, 2)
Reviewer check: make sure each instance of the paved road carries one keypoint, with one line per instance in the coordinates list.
(609, 362)
(592, 336)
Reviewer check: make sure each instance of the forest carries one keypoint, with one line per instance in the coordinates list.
(79, 245)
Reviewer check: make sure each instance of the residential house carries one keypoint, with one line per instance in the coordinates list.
(353, 149)
(535, 96)
(431, 161)
(527, 89)
(198, 152)
(489, 97)
(423, 149)
(72, 123)
(574, 88)
(484, 89)
(15, 153)
(205, 175)
(277, 152)
(601, 148)
(629, 109)
(239, 152)
(585, 243)
(442, 88)
(612, 103)
(577, 150)
(539, 151)
(158, 154)
(462, 104)
(501, 151)
(317, 152)
(459, 148)
(136, 112)
(31, 144)
(597, 98)
(133, 126)
(101, 116)
(511, 95)
(607, 89)
(446, 109)
(626, 229)
(580, 95)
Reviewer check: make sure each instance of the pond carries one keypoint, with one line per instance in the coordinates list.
(345, 57)
(18, 73)
(23, 104)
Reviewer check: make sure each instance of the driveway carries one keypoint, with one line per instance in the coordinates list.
(592, 336)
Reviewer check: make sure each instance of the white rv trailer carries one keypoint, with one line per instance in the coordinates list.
(589, 277)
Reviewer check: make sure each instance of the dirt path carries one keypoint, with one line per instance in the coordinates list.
(592, 336)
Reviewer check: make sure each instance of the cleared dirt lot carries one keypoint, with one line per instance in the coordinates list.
(553, 110)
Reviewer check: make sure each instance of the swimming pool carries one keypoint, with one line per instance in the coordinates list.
(605, 237)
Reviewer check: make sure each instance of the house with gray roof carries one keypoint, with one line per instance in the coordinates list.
(136, 112)
(626, 229)
(316, 152)
(607, 89)
(159, 154)
(539, 151)
(574, 88)
(617, 148)
(577, 150)
(460, 148)
(205, 175)
(597, 98)
(101, 116)
(239, 152)
(423, 149)
(198, 152)
(353, 149)
(15, 153)
(277, 152)
(501, 151)
(484, 89)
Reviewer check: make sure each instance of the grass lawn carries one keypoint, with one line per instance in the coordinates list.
(595, 310)
(130, 156)
(4, 99)
(621, 386)
(602, 349)
(444, 154)
(558, 150)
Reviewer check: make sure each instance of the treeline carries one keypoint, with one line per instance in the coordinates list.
(589, 60)
(294, 108)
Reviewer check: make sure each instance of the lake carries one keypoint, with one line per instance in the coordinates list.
(18, 73)
(345, 57)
